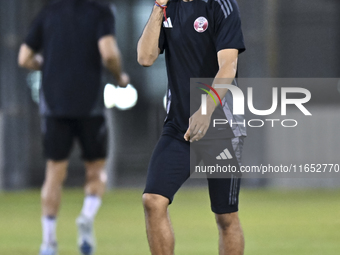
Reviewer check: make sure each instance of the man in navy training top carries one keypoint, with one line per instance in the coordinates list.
(200, 38)
(69, 40)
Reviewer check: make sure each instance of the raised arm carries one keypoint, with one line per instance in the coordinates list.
(147, 48)
(110, 54)
(29, 59)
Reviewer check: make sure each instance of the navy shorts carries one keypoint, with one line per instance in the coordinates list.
(59, 135)
(170, 165)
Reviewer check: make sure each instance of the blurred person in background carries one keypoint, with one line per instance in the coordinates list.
(69, 40)
(201, 38)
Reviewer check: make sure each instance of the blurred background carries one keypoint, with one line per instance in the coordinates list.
(285, 39)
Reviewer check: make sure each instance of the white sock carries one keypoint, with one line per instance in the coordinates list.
(49, 229)
(91, 206)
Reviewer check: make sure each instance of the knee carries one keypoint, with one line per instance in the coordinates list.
(227, 221)
(154, 202)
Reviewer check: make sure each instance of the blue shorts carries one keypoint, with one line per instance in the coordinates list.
(170, 165)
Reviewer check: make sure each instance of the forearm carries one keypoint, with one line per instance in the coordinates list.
(113, 64)
(147, 47)
(111, 57)
(227, 76)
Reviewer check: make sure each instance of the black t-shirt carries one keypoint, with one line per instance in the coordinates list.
(193, 35)
(67, 34)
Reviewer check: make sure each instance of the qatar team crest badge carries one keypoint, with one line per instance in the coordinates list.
(201, 24)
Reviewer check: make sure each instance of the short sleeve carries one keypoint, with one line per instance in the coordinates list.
(228, 32)
(106, 24)
(35, 36)
(161, 42)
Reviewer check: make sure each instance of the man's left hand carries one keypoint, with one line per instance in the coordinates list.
(124, 80)
(198, 126)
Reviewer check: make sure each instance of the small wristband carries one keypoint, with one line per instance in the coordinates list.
(163, 8)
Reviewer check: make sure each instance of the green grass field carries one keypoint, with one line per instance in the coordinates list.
(274, 222)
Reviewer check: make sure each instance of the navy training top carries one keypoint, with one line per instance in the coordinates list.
(67, 34)
(191, 38)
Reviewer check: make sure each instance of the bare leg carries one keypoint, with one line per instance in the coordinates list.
(158, 225)
(94, 190)
(52, 187)
(231, 240)
(95, 177)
